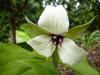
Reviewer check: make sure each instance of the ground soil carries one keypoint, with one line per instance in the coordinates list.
(66, 71)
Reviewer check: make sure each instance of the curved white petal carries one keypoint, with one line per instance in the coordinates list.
(42, 45)
(70, 53)
(54, 19)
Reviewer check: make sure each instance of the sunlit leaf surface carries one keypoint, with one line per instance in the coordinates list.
(18, 61)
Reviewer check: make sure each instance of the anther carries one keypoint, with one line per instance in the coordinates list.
(60, 40)
(55, 43)
(55, 37)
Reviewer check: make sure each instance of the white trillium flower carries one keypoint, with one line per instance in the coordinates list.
(55, 20)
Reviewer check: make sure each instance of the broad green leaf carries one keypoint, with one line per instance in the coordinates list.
(33, 30)
(18, 61)
(83, 68)
(27, 67)
(11, 52)
(75, 32)
(21, 36)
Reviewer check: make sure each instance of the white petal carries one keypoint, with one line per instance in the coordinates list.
(70, 53)
(54, 19)
(42, 45)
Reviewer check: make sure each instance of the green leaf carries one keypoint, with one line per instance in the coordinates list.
(21, 36)
(33, 30)
(11, 52)
(75, 32)
(83, 68)
(27, 67)
(18, 61)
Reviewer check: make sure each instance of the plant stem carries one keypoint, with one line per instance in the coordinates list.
(55, 57)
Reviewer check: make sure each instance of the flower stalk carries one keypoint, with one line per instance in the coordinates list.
(55, 57)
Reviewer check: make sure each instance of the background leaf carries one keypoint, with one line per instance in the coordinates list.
(13, 2)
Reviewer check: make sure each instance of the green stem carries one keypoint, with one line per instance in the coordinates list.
(55, 57)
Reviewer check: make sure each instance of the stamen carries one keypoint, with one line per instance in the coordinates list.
(60, 40)
(56, 39)
(54, 43)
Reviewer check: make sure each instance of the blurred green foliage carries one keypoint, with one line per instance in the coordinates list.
(88, 39)
(79, 12)
(32, 10)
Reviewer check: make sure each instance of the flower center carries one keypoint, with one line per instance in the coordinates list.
(56, 39)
